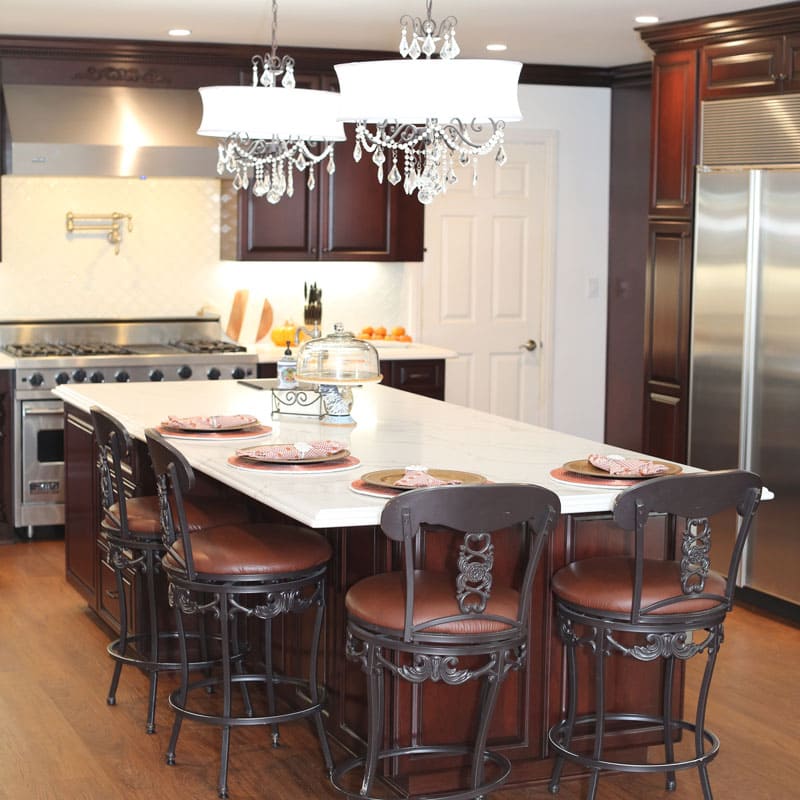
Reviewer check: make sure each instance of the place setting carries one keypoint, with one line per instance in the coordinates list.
(391, 482)
(611, 470)
(215, 427)
(313, 457)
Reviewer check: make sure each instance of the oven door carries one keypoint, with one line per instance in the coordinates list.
(42, 462)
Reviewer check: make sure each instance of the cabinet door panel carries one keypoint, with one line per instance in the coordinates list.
(673, 132)
(752, 66)
(791, 63)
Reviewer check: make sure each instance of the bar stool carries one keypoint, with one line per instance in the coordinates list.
(235, 573)
(450, 626)
(130, 531)
(650, 609)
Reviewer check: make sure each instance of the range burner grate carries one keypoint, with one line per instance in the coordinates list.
(209, 346)
(47, 349)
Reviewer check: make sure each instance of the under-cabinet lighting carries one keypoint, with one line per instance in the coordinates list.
(179, 32)
(646, 19)
(497, 47)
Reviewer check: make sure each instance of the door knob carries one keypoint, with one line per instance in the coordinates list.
(530, 346)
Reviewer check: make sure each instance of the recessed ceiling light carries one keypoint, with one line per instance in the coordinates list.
(646, 19)
(179, 32)
(498, 48)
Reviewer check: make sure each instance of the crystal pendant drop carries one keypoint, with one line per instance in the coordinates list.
(259, 188)
(404, 43)
(300, 162)
(464, 158)
(501, 156)
(267, 78)
(428, 46)
(414, 51)
(394, 176)
(357, 151)
(311, 183)
(378, 157)
(454, 48)
(331, 164)
(288, 81)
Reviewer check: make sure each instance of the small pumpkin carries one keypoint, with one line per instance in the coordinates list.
(280, 334)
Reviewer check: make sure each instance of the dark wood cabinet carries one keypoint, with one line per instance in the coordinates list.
(673, 134)
(756, 66)
(348, 216)
(6, 455)
(82, 504)
(423, 376)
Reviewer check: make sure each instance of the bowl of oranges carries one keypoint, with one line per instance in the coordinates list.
(380, 334)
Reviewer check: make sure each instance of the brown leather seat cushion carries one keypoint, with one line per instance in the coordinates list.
(380, 600)
(144, 520)
(606, 584)
(254, 549)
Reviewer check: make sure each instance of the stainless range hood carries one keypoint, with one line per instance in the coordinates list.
(107, 131)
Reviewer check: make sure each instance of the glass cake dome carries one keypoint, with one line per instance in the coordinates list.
(338, 359)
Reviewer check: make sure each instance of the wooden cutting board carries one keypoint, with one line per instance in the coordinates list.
(265, 323)
(237, 314)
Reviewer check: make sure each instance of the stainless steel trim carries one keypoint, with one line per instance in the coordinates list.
(27, 411)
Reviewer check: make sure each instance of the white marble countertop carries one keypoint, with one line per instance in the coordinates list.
(394, 429)
(387, 351)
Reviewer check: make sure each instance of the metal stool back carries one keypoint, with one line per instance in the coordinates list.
(130, 533)
(235, 573)
(419, 625)
(650, 609)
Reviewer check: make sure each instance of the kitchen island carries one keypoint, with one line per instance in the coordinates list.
(394, 429)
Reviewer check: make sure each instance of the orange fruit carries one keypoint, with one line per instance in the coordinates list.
(368, 331)
(398, 330)
(380, 331)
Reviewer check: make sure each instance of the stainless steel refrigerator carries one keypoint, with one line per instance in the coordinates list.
(745, 375)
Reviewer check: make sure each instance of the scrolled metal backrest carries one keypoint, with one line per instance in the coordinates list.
(113, 444)
(476, 511)
(696, 498)
(174, 477)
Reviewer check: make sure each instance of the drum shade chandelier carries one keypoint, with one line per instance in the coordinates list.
(437, 113)
(270, 130)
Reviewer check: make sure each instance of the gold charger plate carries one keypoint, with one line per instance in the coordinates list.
(583, 467)
(386, 478)
(247, 421)
(337, 456)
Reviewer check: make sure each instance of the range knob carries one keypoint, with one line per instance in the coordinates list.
(213, 374)
(185, 372)
(156, 375)
(97, 377)
(36, 380)
(122, 376)
(79, 376)
(238, 373)
(62, 377)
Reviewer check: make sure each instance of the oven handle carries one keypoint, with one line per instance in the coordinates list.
(41, 412)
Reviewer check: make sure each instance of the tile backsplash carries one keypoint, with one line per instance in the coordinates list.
(169, 264)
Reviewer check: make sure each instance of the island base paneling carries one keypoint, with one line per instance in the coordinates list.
(530, 701)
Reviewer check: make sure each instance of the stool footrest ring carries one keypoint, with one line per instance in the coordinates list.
(441, 750)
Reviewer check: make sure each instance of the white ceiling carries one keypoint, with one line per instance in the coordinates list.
(597, 33)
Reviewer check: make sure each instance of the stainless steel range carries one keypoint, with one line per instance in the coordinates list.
(48, 354)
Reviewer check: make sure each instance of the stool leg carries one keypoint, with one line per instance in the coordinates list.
(153, 618)
(600, 708)
(669, 753)
(225, 633)
(313, 688)
(237, 657)
(276, 734)
(700, 719)
(375, 719)
(122, 642)
(489, 690)
(184, 687)
(572, 702)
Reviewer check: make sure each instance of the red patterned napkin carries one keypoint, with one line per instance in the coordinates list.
(220, 422)
(620, 466)
(419, 478)
(293, 452)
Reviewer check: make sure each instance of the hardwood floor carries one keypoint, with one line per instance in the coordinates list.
(60, 741)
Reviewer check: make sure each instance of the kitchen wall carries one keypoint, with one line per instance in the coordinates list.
(169, 264)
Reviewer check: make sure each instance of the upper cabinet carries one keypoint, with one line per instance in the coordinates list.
(755, 66)
(348, 216)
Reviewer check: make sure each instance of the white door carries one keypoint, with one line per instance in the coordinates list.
(486, 282)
